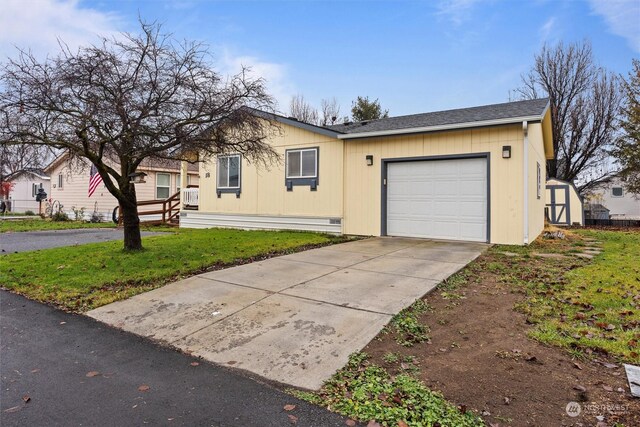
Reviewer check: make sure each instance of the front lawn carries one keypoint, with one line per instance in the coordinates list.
(39, 224)
(80, 278)
(595, 308)
(515, 335)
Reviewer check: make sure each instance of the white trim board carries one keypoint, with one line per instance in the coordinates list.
(196, 219)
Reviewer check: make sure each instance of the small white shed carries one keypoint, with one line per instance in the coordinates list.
(564, 205)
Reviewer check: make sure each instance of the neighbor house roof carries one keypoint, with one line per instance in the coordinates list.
(38, 173)
(488, 115)
(147, 164)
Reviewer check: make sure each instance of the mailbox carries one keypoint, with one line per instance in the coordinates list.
(41, 195)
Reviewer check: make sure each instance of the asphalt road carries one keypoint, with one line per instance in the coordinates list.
(34, 240)
(63, 369)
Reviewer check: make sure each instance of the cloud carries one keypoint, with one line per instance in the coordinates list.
(39, 24)
(276, 75)
(456, 11)
(548, 28)
(622, 18)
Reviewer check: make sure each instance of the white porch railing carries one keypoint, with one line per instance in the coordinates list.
(190, 196)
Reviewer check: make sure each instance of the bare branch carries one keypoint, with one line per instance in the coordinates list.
(584, 106)
(131, 98)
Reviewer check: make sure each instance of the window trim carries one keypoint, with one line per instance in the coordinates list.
(169, 186)
(300, 150)
(621, 195)
(311, 181)
(234, 190)
(60, 181)
(34, 188)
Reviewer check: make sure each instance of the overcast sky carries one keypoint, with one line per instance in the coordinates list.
(415, 56)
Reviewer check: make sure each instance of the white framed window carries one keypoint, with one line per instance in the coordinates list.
(34, 189)
(163, 185)
(617, 192)
(60, 181)
(229, 172)
(539, 180)
(302, 163)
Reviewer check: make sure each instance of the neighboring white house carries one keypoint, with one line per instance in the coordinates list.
(26, 183)
(621, 203)
(70, 186)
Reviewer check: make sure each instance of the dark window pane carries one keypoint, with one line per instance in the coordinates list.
(223, 172)
(617, 191)
(309, 163)
(162, 193)
(234, 171)
(293, 164)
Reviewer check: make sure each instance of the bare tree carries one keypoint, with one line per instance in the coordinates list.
(18, 157)
(301, 110)
(131, 98)
(585, 101)
(330, 110)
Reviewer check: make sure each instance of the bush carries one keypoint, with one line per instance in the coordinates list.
(96, 217)
(60, 216)
(78, 214)
(29, 213)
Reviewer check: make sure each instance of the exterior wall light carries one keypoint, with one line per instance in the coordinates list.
(506, 151)
(369, 160)
(137, 178)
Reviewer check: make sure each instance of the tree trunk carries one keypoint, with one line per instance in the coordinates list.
(130, 219)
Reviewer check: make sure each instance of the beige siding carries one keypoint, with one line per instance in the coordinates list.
(76, 184)
(362, 196)
(536, 204)
(263, 190)
(351, 190)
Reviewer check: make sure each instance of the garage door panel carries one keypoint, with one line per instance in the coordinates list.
(445, 188)
(472, 188)
(470, 231)
(443, 199)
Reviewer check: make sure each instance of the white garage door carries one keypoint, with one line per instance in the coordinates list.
(440, 199)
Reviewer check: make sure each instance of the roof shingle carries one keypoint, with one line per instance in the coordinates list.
(517, 109)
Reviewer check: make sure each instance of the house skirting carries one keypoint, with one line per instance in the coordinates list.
(193, 219)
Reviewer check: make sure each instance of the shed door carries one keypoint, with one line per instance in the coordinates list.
(440, 199)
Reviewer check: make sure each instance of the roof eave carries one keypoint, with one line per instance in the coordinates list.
(547, 133)
(296, 123)
(452, 126)
(306, 126)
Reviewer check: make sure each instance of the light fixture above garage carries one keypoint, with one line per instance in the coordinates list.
(369, 160)
(506, 151)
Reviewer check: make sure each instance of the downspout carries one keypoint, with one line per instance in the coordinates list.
(525, 157)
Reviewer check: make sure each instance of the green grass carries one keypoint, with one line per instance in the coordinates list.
(39, 224)
(598, 305)
(364, 391)
(80, 278)
(409, 330)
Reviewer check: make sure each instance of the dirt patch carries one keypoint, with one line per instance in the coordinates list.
(479, 357)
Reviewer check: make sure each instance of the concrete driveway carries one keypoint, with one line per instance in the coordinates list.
(293, 319)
